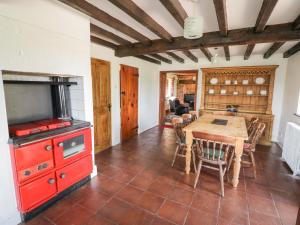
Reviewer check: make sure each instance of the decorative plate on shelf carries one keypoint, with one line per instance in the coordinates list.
(259, 80)
(213, 80)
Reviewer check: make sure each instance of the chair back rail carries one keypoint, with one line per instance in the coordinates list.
(259, 129)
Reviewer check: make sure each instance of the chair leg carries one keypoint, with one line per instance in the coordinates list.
(198, 173)
(253, 164)
(221, 179)
(175, 155)
(194, 160)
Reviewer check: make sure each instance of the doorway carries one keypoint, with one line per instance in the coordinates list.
(178, 94)
(129, 81)
(101, 104)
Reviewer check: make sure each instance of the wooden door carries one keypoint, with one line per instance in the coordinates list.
(129, 79)
(162, 97)
(102, 104)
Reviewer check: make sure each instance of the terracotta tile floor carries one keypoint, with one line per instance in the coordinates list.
(136, 185)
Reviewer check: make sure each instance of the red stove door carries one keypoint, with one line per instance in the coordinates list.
(73, 173)
(37, 192)
(33, 159)
(71, 147)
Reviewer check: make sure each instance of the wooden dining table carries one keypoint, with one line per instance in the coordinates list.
(235, 128)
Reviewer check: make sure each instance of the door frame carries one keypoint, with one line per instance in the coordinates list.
(109, 72)
(162, 88)
(121, 65)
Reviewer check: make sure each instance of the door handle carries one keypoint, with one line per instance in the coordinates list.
(62, 175)
(51, 181)
(109, 106)
(60, 144)
(122, 92)
(48, 147)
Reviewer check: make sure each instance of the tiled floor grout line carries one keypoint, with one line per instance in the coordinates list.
(277, 211)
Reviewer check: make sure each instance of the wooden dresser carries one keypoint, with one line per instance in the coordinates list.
(250, 88)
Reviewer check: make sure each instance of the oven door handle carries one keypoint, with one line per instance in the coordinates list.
(62, 175)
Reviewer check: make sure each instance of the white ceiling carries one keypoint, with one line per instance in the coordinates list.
(240, 14)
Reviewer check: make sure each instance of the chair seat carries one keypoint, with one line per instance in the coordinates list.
(211, 154)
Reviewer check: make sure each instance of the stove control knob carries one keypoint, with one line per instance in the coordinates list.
(60, 144)
(48, 148)
(27, 172)
(62, 175)
(51, 181)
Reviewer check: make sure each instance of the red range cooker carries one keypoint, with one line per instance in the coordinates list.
(49, 157)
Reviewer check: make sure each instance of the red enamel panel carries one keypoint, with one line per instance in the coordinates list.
(26, 129)
(54, 123)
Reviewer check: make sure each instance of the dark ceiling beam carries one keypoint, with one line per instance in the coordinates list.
(273, 49)
(206, 53)
(190, 55)
(261, 21)
(176, 10)
(245, 36)
(103, 42)
(220, 7)
(227, 53)
(179, 14)
(161, 58)
(264, 14)
(111, 45)
(296, 25)
(102, 32)
(105, 18)
(292, 51)
(277, 45)
(175, 57)
(129, 7)
(249, 51)
(149, 59)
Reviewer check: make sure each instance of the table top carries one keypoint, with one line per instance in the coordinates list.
(236, 126)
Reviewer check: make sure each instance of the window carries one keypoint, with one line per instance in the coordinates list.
(298, 108)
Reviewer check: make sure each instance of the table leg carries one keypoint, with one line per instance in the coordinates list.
(237, 162)
(189, 142)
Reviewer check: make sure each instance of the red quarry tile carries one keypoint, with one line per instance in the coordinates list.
(233, 213)
(109, 186)
(130, 194)
(122, 213)
(160, 221)
(288, 212)
(207, 202)
(141, 182)
(199, 217)
(94, 201)
(173, 211)
(181, 196)
(160, 188)
(257, 218)
(76, 216)
(98, 220)
(150, 201)
(262, 205)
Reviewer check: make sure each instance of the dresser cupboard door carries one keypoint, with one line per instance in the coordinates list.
(37, 192)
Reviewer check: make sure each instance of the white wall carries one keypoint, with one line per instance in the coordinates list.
(291, 94)
(39, 36)
(254, 60)
(148, 89)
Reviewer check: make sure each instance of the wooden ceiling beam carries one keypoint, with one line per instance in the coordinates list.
(105, 18)
(296, 25)
(129, 7)
(227, 53)
(261, 21)
(272, 33)
(220, 7)
(206, 52)
(292, 51)
(176, 10)
(161, 58)
(277, 45)
(175, 57)
(111, 45)
(190, 55)
(249, 51)
(273, 49)
(102, 32)
(264, 14)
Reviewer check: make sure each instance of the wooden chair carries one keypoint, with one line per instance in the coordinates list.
(224, 113)
(187, 118)
(180, 141)
(250, 146)
(194, 115)
(213, 151)
(251, 125)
